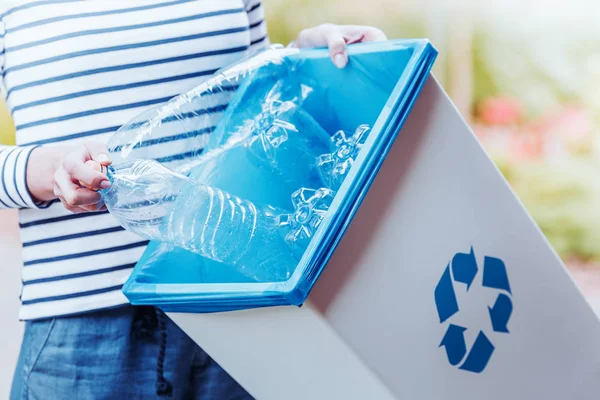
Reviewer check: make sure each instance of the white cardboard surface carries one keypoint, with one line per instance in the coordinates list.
(373, 332)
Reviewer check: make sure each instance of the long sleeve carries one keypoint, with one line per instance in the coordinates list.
(13, 164)
(13, 173)
(259, 39)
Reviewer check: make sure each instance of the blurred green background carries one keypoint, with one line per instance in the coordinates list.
(7, 128)
(525, 74)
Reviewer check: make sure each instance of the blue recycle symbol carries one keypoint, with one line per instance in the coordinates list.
(463, 269)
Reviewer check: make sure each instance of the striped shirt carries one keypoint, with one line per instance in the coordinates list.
(76, 70)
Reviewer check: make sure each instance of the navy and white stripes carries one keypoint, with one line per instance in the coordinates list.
(13, 170)
(76, 70)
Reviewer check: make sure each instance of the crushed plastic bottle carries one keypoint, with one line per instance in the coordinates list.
(212, 223)
(262, 241)
(235, 170)
(333, 167)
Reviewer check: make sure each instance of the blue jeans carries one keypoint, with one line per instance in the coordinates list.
(124, 353)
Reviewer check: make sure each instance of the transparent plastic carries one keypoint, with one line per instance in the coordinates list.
(333, 167)
(236, 170)
(378, 88)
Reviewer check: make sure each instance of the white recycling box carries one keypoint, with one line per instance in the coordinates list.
(403, 311)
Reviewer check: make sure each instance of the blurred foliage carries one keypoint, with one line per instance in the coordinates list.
(552, 164)
(544, 56)
(563, 198)
(484, 85)
(7, 128)
(286, 18)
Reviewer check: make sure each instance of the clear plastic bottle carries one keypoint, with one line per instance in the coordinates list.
(263, 242)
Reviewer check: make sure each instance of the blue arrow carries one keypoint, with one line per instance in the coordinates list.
(454, 341)
(445, 298)
(464, 267)
(480, 354)
(494, 274)
(500, 313)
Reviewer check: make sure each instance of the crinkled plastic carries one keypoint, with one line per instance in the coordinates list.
(246, 183)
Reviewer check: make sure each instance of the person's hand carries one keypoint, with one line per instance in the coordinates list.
(336, 37)
(72, 175)
(75, 177)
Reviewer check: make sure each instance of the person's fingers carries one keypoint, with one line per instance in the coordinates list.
(81, 196)
(354, 38)
(90, 178)
(58, 193)
(74, 165)
(310, 37)
(72, 194)
(326, 35)
(358, 33)
(336, 37)
(372, 34)
(103, 170)
(98, 152)
(336, 44)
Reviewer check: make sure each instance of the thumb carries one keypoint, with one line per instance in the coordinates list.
(337, 45)
(98, 152)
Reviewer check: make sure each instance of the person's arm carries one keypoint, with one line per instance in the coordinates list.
(31, 177)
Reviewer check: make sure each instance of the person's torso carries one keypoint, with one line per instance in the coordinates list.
(75, 71)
